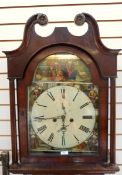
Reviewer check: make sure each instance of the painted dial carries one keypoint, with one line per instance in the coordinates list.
(63, 117)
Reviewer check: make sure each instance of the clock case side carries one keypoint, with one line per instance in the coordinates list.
(19, 59)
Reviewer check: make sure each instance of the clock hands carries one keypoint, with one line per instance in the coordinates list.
(63, 107)
(48, 118)
(63, 128)
(52, 118)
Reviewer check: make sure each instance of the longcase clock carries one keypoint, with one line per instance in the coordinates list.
(63, 85)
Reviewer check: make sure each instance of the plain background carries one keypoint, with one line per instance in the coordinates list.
(13, 16)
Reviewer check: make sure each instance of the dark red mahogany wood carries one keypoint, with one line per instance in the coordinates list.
(21, 65)
(13, 121)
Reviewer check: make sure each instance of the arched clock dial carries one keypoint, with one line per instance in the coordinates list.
(63, 117)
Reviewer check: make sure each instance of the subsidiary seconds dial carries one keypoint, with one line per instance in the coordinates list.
(63, 117)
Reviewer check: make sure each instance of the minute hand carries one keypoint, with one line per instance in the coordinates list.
(64, 109)
(84, 105)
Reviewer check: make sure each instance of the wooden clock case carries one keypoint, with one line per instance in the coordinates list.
(21, 65)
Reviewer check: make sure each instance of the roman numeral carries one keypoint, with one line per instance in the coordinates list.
(63, 92)
(84, 128)
(63, 140)
(42, 129)
(40, 105)
(75, 95)
(51, 96)
(51, 137)
(76, 138)
(40, 118)
(87, 117)
(84, 105)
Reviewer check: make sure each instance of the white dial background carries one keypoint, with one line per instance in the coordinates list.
(63, 116)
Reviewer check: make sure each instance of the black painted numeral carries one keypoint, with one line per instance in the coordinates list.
(87, 117)
(51, 137)
(40, 105)
(42, 129)
(51, 96)
(63, 92)
(84, 105)
(75, 95)
(76, 138)
(40, 118)
(84, 128)
(63, 140)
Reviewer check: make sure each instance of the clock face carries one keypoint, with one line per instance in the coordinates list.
(63, 117)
